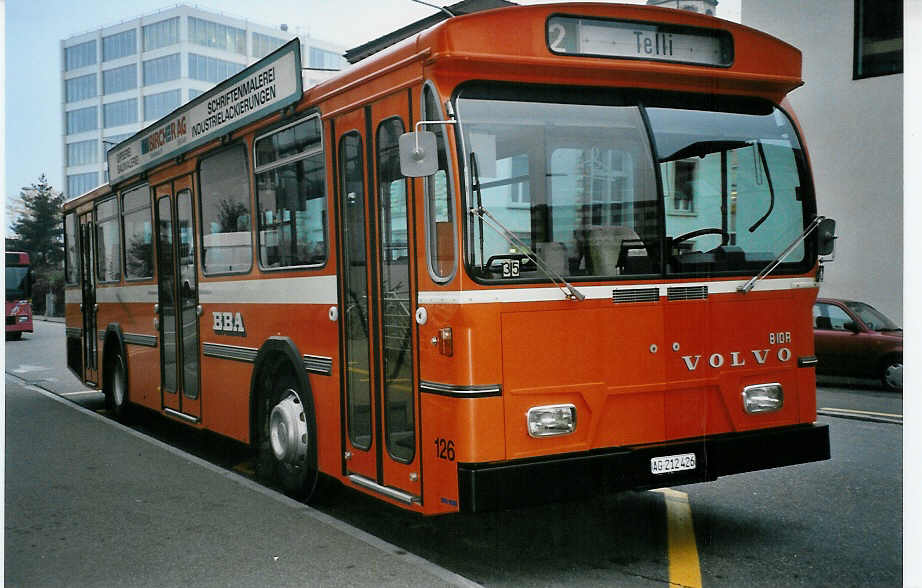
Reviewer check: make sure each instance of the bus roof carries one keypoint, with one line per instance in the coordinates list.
(467, 48)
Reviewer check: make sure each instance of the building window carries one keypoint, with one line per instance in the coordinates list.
(209, 69)
(227, 244)
(159, 105)
(161, 34)
(77, 184)
(323, 59)
(162, 69)
(878, 38)
(212, 34)
(76, 89)
(264, 44)
(119, 113)
(108, 250)
(81, 120)
(193, 93)
(290, 198)
(120, 79)
(79, 55)
(119, 45)
(83, 152)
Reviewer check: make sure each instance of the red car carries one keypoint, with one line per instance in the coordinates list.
(854, 339)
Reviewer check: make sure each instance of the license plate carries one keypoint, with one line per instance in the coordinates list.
(672, 463)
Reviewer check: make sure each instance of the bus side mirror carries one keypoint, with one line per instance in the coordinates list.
(826, 237)
(418, 154)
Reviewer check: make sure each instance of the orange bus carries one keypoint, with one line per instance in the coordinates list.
(473, 270)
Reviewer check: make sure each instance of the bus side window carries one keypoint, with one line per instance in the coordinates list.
(440, 233)
(108, 244)
(139, 252)
(227, 244)
(291, 198)
(71, 269)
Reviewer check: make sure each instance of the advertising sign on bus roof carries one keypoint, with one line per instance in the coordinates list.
(270, 84)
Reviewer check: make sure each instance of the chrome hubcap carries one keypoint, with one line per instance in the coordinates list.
(893, 376)
(288, 429)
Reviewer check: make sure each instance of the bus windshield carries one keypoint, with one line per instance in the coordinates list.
(588, 191)
(17, 282)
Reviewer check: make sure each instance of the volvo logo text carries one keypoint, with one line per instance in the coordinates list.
(735, 358)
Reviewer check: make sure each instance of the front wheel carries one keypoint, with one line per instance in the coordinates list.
(288, 450)
(891, 375)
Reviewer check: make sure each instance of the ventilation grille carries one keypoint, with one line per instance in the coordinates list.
(687, 293)
(636, 295)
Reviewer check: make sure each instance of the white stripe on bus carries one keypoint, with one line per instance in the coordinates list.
(549, 294)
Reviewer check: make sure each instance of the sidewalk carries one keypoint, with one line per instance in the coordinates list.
(90, 502)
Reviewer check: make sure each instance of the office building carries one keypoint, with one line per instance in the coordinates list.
(851, 111)
(118, 79)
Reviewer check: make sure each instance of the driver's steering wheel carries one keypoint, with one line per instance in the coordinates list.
(725, 236)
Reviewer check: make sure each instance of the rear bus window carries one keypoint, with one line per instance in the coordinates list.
(227, 244)
(291, 199)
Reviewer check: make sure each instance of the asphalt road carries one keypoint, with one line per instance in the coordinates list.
(834, 522)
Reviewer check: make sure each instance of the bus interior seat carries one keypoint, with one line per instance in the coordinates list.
(605, 248)
(554, 254)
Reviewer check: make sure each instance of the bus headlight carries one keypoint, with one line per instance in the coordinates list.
(763, 398)
(548, 421)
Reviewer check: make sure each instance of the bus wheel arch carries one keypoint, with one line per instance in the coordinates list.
(283, 424)
(115, 372)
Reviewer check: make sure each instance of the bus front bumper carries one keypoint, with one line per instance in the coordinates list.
(497, 485)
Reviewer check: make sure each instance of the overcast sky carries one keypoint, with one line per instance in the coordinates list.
(35, 28)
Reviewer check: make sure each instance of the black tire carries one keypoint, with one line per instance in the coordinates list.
(891, 374)
(14, 336)
(296, 472)
(116, 389)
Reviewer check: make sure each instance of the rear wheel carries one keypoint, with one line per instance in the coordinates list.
(14, 336)
(891, 375)
(117, 388)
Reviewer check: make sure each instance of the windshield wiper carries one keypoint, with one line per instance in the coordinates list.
(771, 189)
(745, 288)
(568, 289)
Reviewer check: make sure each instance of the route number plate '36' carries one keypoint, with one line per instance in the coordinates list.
(672, 463)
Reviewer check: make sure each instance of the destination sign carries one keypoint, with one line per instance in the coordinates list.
(266, 86)
(568, 35)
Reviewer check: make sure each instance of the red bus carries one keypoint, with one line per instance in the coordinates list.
(473, 270)
(18, 295)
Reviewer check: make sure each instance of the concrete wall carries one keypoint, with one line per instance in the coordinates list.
(854, 132)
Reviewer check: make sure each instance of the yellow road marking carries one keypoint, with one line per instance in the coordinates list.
(684, 568)
(867, 412)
